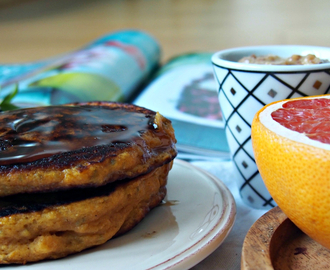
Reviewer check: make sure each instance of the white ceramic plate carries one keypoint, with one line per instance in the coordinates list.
(197, 215)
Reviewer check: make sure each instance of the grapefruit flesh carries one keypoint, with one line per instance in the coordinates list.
(311, 117)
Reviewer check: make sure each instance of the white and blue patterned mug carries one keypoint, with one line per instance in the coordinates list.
(244, 88)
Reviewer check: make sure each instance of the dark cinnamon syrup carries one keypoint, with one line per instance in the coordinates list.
(31, 134)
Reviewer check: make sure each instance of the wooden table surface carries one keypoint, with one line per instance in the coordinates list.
(36, 29)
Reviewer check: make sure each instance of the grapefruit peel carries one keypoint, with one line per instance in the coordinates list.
(296, 171)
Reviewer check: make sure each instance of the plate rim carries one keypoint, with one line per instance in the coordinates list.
(229, 208)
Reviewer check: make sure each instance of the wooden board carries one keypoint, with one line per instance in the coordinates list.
(274, 242)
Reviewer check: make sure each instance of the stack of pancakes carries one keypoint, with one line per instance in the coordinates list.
(74, 176)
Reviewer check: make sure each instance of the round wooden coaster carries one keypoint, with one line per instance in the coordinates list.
(274, 242)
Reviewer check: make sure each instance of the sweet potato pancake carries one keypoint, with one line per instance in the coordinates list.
(80, 145)
(74, 176)
(40, 226)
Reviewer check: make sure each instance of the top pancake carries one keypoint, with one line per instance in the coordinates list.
(80, 145)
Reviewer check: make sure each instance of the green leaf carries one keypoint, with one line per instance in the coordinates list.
(8, 107)
(5, 104)
(10, 96)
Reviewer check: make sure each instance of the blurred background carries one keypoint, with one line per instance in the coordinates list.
(36, 29)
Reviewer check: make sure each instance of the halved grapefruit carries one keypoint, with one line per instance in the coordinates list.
(291, 143)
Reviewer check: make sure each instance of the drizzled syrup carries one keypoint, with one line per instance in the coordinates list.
(30, 134)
